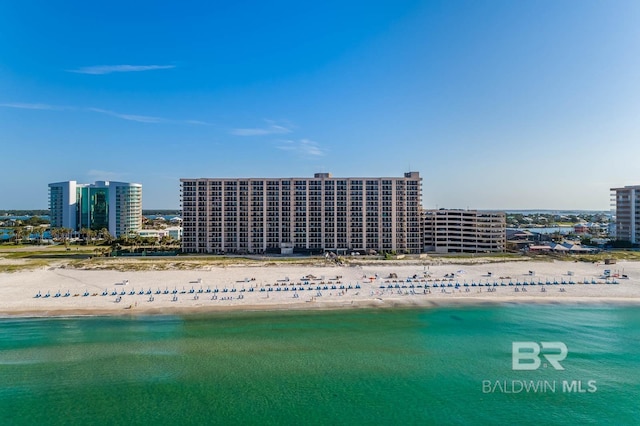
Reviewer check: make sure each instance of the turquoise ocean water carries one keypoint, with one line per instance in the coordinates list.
(402, 367)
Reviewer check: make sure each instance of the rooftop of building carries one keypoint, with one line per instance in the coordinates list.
(322, 175)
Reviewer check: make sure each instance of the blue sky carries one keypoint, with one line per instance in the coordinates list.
(498, 104)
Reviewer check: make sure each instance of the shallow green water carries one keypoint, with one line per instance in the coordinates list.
(347, 367)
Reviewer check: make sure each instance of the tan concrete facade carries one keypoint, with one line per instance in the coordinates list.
(464, 231)
(323, 213)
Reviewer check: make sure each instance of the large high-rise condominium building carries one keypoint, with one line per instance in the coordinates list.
(116, 206)
(627, 203)
(464, 231)
(323, 213)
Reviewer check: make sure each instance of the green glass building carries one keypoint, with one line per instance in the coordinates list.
(116, 206)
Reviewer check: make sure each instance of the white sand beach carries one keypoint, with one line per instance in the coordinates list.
(62, 291)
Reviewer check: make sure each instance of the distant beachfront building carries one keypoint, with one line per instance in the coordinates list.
(464, 231)
(323, 213)
(175, 232)
(626, 201)
(116, 206)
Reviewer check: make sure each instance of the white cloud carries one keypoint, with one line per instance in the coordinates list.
(105, 175)
(303, 147)
(147, 118)
(108, 69)
(271, 129)
(197, 122)
(32, 106)
(130, 117)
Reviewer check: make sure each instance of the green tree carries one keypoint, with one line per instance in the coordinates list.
(18, 233)
(65, 234)
(621, 244)
(93, 234)
(39, 231)
(84, 234)
(166, 240)
(106, 236)
(35, 221)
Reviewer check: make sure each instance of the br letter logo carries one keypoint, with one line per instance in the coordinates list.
(526, 355)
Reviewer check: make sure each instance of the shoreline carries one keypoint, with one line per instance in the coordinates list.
(76, 292)
(321, 307)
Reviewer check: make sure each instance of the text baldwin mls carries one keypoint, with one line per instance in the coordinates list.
(526, 356)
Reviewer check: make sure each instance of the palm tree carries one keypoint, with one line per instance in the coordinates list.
(18, 233)
(106, 235)
(165, 240)
(22, 233)
(85, 233)
(65, 233)
(39, 231)
(92, 235)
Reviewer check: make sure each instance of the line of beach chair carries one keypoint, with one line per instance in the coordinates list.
(335, 285)
(175, 291)
(449, 284)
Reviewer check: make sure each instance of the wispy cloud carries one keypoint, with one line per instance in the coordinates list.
(105, 175)
(108, 69)
(272, 128)
(148, 118)
(33, 106)
(197, 122)
(130, 117)
(302, 147)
